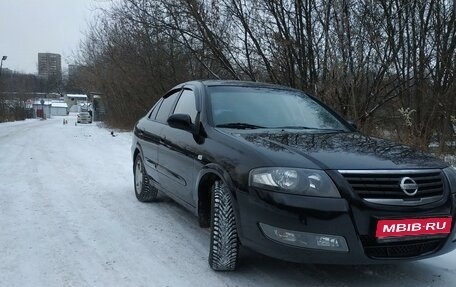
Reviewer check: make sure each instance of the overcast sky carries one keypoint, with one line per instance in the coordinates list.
(28, 27)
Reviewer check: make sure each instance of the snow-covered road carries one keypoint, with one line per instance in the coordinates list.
(69, 217)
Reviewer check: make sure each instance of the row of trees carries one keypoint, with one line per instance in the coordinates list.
(389, 65)
(13, 87)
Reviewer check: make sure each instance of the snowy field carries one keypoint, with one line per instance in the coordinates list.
(69, 217)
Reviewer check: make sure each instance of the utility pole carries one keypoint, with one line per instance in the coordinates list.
(1, 64)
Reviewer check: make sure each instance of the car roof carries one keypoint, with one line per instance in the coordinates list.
(234, 83)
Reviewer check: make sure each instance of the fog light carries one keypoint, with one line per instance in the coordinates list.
(327, 241)
(305, 239)
(285, 235)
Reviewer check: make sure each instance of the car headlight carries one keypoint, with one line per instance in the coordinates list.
(294, 181)
(450, 173)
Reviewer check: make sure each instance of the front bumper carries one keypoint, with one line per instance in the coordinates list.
(354, 222)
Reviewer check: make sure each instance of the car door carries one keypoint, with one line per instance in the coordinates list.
(177, 152)
(149, 132)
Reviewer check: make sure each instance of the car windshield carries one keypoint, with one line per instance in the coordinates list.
(251, 108)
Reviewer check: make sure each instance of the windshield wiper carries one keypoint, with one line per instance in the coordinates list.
(239, 126)
(309, 128)
(296, 128)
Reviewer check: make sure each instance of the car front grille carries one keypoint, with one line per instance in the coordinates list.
(384, 186)
(399, 249)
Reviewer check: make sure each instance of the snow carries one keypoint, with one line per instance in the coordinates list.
(59, 105)
(45, 102)
(77, 96)
(69, 217)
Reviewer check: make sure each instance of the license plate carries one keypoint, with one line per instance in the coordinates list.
(413, 227)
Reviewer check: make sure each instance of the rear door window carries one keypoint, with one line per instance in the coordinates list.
(166, 106)
(154, 111)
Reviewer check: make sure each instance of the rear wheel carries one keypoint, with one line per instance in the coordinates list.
(143, 190)
(224, 248)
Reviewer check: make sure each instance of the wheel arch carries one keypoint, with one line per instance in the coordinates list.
(138, 150)
(206, 178)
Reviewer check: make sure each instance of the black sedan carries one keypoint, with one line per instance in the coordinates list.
(277, 171)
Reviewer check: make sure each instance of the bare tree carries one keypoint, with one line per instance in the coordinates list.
(388, 65)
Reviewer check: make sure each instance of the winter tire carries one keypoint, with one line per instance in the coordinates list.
(143, 190)
(224, 247)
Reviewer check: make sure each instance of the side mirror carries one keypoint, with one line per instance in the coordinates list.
(181, 121)
(353, 125)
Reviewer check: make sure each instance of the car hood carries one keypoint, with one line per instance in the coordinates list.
(342, 150)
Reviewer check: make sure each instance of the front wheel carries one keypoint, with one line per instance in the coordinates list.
(224, 248)
(143, 189)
